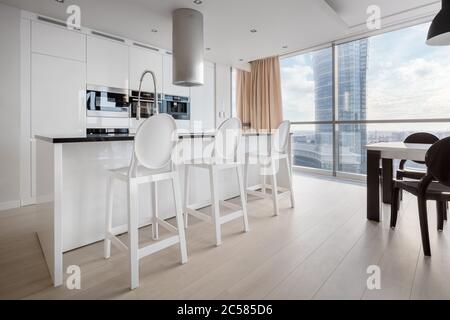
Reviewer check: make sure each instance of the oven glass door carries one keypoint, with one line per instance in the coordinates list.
(178, 110)
(107, 104)
(147, 108)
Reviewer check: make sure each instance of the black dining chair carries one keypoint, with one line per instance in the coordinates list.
(409, 173)
(419, 138)
(434, 186)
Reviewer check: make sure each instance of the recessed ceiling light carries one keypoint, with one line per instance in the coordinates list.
(198, 1)
(253, 31)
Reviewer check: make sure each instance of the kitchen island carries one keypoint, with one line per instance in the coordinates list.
(71, 179)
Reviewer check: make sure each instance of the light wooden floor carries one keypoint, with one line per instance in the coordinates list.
(320, 250)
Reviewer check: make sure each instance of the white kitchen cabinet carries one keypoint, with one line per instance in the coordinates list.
(58, 93)
(141, 60)
(107, 63)
(169, 87)
(203, 110)
(57, 41)
(223, 93)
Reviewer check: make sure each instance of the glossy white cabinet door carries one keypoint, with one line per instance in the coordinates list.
(107, 63)
(223, 93)
(58, 93)
(168, 86)
(141, 60)
(203, 104)
(57, 41)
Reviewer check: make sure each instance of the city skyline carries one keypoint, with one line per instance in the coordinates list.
(368, 88)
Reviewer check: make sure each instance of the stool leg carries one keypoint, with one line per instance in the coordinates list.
(264, 182)
(186, 195)
(133, 233)
(155, 224)
(215, 205)
(179, 213)
(275, 189)
(289, 170)
(247, 159)
(108, 220)
(243, 197)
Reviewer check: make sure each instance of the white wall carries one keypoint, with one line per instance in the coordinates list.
(223, 93)
(16, 165)
(9, 107)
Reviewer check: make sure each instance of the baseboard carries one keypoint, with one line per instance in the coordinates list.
(9, 205)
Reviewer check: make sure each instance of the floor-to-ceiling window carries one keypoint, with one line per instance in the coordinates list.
(380, 88)
(307, 88)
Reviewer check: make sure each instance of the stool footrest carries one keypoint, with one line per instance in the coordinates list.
(280, 189)
(199, 215)
(231, 216)
(284, 193)
(259, 194)
(117, 243)
(167, 225)
(160, 245)
(230, 205)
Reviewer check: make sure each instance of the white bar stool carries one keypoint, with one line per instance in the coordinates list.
(151, 162)
(224, 157)
(270, 164)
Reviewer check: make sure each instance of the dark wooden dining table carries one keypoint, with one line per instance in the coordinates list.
(385, 153)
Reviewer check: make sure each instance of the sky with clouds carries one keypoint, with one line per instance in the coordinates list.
(406, 79)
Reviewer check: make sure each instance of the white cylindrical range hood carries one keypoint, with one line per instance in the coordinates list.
(188, 48)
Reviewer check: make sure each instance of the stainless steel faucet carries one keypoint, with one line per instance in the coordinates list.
(156, 103)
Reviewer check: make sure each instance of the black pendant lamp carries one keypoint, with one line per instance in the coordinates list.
(439, 33)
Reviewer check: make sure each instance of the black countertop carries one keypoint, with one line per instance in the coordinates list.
(109, 137)
(124, 137)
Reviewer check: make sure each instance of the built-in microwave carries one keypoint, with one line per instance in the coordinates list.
(147, 103)
(178, 107)
(105, 102)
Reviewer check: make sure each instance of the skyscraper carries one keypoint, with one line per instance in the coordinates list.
(323, 83)
(352, 60)
(352, 105)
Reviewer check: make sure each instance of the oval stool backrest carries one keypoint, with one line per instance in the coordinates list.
(155, 141)
(227, 140)
(280, 138)
(438, 161)
(421, 138)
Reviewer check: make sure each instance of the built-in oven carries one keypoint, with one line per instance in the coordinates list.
(105, 102)
(147, 104)
(178, 107)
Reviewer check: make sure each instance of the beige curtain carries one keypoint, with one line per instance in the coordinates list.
(259, 95)
(243, 96)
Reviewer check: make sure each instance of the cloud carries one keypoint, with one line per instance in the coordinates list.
(298, 90)
(406, 79)
(417, 88)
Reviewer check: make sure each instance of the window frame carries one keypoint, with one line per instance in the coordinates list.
(335, 122)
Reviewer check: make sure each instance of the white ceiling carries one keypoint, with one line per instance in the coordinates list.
(354, 12)
(297, 23)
